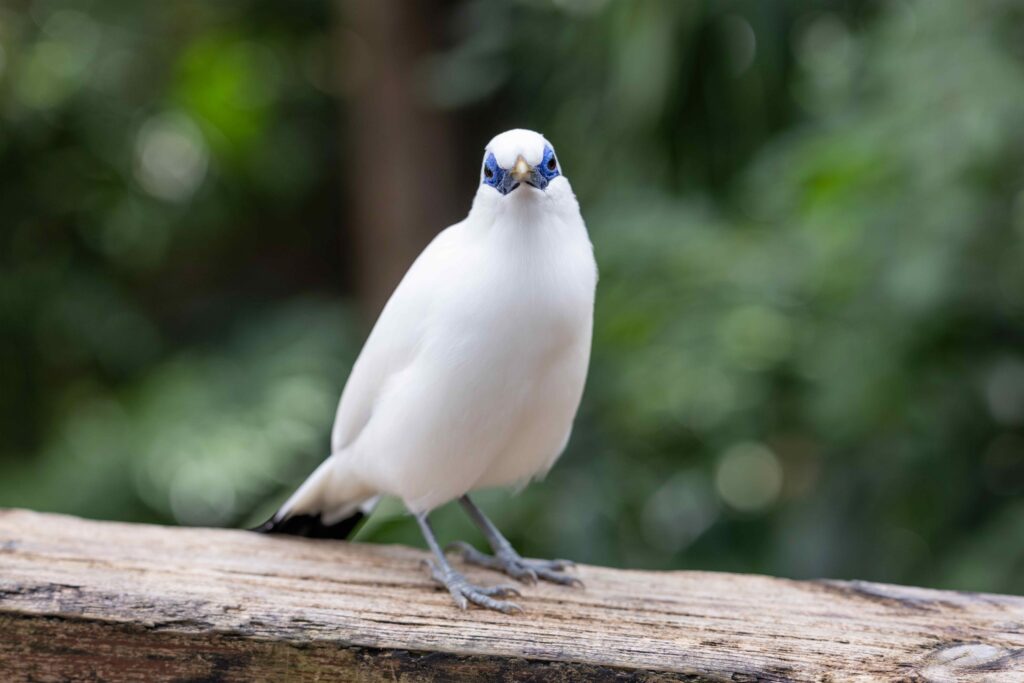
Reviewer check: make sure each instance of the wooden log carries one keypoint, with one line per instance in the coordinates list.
(84, 600)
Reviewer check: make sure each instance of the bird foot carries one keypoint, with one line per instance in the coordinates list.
(463, 592)
(525, 570)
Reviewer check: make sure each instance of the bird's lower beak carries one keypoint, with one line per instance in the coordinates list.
(521, 171)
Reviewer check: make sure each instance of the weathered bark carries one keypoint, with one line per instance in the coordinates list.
(84, 600)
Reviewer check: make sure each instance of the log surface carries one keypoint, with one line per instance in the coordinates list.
(86, 600)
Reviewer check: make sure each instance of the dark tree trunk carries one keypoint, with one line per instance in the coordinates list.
(399, 158)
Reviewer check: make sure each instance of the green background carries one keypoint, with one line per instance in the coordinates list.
(809, 220)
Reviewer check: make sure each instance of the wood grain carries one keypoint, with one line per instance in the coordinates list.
(85, 600)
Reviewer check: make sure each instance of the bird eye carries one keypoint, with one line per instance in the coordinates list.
(552, 164)
(488, 173)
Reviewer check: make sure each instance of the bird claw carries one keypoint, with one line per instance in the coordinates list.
(463, 592)
(520, 568)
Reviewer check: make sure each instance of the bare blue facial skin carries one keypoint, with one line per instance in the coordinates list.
(540, 175)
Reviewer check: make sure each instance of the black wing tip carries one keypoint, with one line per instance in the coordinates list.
(310, 526)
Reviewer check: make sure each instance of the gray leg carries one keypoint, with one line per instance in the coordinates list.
(505, 558)
(463, 592)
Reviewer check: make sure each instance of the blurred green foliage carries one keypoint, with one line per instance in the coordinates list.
(809, 217)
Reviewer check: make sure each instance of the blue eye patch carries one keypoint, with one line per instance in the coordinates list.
(503, 181)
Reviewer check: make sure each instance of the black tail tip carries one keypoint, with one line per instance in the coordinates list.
(310, 526)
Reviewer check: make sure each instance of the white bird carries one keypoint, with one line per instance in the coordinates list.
(472, 375)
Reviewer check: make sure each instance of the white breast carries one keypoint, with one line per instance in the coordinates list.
(488, 396)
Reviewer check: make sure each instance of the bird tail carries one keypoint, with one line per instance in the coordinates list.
(311, 526)
(325, 506)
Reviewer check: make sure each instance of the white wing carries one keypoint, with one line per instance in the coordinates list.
(393, 342)
(334, 490)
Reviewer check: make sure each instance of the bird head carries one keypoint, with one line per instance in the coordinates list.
(518, 158)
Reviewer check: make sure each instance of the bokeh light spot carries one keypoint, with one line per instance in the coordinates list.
(679, 511)
(171, 157)
(58, 63)
(741, 42)
(824, 42)
(749, 477)
(200, 495)
(1004, 392)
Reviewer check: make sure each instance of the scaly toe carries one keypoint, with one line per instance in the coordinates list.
(480, 597)
(519, 571)
(503, 590)
(530, 571)
(463, 592)
(558, 577)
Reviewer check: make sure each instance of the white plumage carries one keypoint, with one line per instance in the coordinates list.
(473, 373)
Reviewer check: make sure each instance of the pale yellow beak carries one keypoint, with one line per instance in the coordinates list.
(521, 171)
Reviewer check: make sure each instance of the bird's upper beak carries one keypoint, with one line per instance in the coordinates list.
(522, 170)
